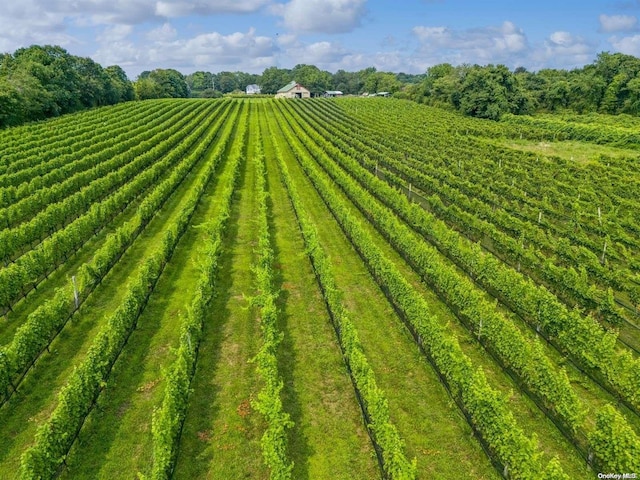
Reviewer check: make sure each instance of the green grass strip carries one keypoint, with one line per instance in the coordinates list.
(486, 409)
(77, 398)
(387, 441)
(43, 325)
(269, 401)
(169, 417)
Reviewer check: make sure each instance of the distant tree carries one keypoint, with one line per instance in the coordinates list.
(489, 92)
(364, 75)
(199, 81)
(42, 81)
(243, 79)
(274, 78)
(409, 78)
(614, 94)
(632, 101)
(172, 82)
(441, 85)
(120, 88)
(382, 82)
(532, 85)
(161, 83)
(312, 78)
(226, 82)
(93, 83)
(586, 90)
(146, 88)
(347, 82)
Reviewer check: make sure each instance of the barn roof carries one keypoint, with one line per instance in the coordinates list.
(288, 86)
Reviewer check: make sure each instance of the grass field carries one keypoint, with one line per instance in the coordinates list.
(443, 303)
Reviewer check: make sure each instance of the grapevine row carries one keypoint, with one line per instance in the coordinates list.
(582, 337)
(77, 398)
(602, 303)
(59, 132)
(47, 320)
(169, 417)
(17, 279)
(388, 443)
(15, 200)
(131, 159)
(269, 401)
(442, 152)
(514, 351)
(486, 408)
(41, 168)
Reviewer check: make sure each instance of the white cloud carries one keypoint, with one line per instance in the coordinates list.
(144, 34)
(212, 51)
(617, 23)
(628, 45)
(103, 12)
(123, 53)
(20, 28)
(287, 40)
(322, 54)
(321, 16)
(392, 61)
(563, 50)
(163, 33)
(181, 8)
(130, 12)
(493, 44)
(114, 33)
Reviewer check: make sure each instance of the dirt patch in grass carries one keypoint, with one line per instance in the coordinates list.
(244, 409)
(147, 387)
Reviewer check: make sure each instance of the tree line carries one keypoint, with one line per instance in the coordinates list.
(318, 81)
(45, 81)
(611, 84)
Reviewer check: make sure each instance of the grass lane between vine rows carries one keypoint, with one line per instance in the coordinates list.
(412, 387)
(551, 441)
(221, 433)
(37, 395)
(317, 393)
(118, 435)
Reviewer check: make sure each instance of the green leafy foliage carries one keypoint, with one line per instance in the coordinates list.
(373, 400)
(614, 443)
(44, 81)
(47, 320)
(169, 416)
(486, 409)
(77, 398)
(269, 401)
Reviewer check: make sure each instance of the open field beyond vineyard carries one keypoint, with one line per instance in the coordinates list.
(318, 289)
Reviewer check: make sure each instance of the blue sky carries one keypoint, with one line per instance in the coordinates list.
(251, 35)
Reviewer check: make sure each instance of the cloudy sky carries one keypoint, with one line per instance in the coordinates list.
(251, 35)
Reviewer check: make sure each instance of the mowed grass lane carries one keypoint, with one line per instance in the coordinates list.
(20, 417)
(329, 438)
(551, 441)
(591, 394)
(221, 433)
(62, 274)
(117, 436)
(435, 433)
